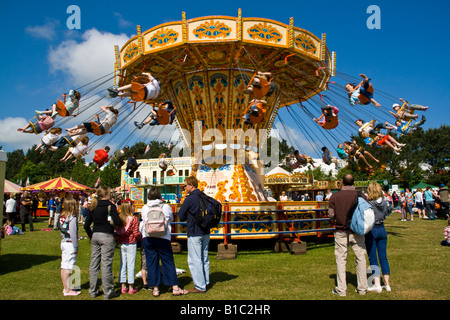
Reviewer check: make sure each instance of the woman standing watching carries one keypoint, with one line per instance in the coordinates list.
(158, 247)
(103, 214)
(376, 239)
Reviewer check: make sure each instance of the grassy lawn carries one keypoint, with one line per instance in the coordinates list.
(30, 268)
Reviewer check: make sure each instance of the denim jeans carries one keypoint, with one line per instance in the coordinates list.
(127, 262)
(376, 242)
(430, 209)
(198, 260)
(410, 207)
(102, 250)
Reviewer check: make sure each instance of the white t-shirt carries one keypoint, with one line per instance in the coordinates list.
(284, 198)
(79, 150)
(152, 89)
(109, 121)
(10, 205)
(418, 197)
(78, 137)
(50, 138)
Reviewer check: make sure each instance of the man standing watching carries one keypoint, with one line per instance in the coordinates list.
(198, 238)
(340, 207)
(25, 210)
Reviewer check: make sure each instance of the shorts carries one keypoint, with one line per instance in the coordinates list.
(419, 205)
(382, 141)
(68, 259)
(51, 212)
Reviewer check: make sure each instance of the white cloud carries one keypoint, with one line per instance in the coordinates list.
(11, 139)
(123, 23)
(88, 59)
(46, 31)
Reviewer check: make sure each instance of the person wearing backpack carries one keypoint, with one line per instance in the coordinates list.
(101, 212)
(68, 225)
(340, 208)
(155, 229)
(198, 237)
(376, 239)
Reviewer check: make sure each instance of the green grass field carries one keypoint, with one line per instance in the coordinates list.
(30, 268)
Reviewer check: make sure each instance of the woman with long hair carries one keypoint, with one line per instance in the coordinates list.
(376, 239)
(103, 214)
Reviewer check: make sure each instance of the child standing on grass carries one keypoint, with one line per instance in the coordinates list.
(127, 237)
(68, 224)
(446, 241)
(403, 205)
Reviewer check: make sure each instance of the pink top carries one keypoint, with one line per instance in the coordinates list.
(46, 122)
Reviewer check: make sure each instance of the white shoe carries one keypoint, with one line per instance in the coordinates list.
(401, 144)
(387, 288)
(375, 288)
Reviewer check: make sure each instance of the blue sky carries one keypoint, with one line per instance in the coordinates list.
(405, 58)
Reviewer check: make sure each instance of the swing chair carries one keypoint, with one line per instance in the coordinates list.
(263, 89)
(61, 107)
(331, 122)
(255, 119)
(164, 116)
(172, 171)
(362, 98)
(35, 126)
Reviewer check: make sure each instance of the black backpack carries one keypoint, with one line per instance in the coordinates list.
(210, 212)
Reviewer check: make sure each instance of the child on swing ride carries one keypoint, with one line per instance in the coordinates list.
(51, 137)
(151, 88)
(78, 151)
(253, 110)
(256, 83)
(152, 119)
(405, 113)
(358, 153)
(108, 122)
(405, 127)
(40, 124)
(362, 93)
(72, 138)
(327, 111)
(297, 160)
(101, 157)
(71, 105)
(371, 132)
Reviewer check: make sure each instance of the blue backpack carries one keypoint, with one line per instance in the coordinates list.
(362, 219)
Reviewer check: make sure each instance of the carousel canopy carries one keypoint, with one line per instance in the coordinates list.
(57, 184)
(11, 187)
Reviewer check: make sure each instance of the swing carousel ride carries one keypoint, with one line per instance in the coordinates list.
(245, 76)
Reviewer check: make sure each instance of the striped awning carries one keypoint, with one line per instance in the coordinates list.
(11, 187)
(57, 184)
